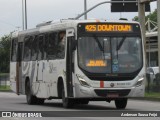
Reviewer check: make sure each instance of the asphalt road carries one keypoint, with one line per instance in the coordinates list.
(13, 102)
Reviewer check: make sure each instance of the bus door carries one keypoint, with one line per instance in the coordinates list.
(70, 61)
(40, 64)
(19, 69)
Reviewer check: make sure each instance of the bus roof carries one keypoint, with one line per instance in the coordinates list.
(63, 24)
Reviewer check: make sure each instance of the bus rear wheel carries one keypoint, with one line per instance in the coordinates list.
(67, 103)
(31, 99)
(121, 103)
(85, 102)
(40, 101)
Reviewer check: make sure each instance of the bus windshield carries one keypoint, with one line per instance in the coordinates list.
(120, 54)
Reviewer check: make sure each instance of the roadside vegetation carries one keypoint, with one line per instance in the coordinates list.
(4, 61)
(4, 54)
(3, 74)
(152, 95)
(4, 88)
(152, 16)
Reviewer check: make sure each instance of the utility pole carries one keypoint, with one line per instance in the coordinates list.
(85, 9)
(158, 24)
(22, 15)
(141, 15)
(25, 14)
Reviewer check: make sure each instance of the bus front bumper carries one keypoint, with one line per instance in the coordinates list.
(90, 92)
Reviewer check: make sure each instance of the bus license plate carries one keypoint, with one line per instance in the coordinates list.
(113, 95)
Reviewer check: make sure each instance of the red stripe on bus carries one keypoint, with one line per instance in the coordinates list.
(101, 84)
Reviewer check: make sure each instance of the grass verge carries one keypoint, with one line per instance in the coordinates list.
(152, 95)
(5, 88)
(4, 74)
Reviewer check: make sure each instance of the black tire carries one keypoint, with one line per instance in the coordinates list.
(121, 103)
(67, 103)
(85, 102)
(31, 100)
(40, 101)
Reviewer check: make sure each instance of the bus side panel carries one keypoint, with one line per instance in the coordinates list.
(30, 73)
(40, 81)
(56, 72)
(25, 74)
(13, 76)
(33, 76)
(50, 77)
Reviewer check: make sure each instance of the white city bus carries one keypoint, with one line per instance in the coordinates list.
(79, 61)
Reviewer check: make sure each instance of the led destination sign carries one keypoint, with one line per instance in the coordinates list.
(108, 28)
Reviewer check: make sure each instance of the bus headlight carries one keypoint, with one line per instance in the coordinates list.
(82, 81)
(140, 81)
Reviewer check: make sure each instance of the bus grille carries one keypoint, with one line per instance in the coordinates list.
(104, 93)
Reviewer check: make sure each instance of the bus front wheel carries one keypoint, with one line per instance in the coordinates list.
(67, 103)
(121, 103)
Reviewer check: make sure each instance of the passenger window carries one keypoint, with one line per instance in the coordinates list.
(52, 48)
(14, 50)
(40, 47)
(45, 46)
(34, 48)
(61, 45)
(27, 48)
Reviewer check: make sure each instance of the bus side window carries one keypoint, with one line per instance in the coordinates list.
(34, 48)
(27, 49)
(52, 48)
(14, 50)
(40, 47)
(61, 45)
(45, 46)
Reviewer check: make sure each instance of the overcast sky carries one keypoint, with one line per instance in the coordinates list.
(46, 10)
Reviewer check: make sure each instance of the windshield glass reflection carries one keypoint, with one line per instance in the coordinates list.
(110, 54)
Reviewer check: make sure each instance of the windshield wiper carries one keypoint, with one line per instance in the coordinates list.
(121, 43)
(99, 44)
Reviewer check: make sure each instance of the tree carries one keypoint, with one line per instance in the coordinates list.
(152, 16)
(4, 54)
